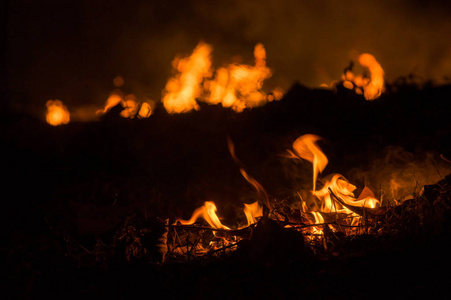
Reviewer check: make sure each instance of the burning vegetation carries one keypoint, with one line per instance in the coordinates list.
(219, 172)
(235, 86)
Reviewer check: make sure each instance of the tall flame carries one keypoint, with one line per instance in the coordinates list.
(181, 91)
(57, 113)
(305, 147)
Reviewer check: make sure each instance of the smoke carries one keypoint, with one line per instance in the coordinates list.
(401, 174)
(72, 50)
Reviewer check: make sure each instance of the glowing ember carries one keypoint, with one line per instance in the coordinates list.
(305, 147)
(57, 113)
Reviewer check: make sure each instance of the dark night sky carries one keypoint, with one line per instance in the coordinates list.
(71, 50)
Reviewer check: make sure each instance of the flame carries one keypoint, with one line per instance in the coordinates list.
(132, 107)
(145, 110)
(305, 147)
(208, 213)
(344, 190)
(252, 212)
(181, 91)
(239, 86)
(57, 113)
(375, 86)
(372, 87)
(257, 186)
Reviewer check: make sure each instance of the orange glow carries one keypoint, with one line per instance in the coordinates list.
(343, 189)
(113, 100)
(181, 91)
(375, 86)
(252, 212)
(348, 84)
(130, 106)
(118, 81)
(145, 111)
(305, 147)
(372, 87)
(57, 113)
(208, 213)
(239, 86)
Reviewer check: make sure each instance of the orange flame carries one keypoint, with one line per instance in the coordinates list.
(257, 186)
(252, 212)
(181, 91)
(132, 107)
(57, 113)
(375, 87)
(372, 87)
(208, 213)
(341, 187)
(235, 86)
(239, 86)
(305, 147)
(145, 110)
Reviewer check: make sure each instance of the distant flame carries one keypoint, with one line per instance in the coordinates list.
(305, 147)
(132, 107)
(181, 91)
(372, 87)
(239, 86)
(375, 87)
(57, 113)
(236, 86)
(145, 110)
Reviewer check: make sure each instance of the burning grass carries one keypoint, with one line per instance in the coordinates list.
(99, 207)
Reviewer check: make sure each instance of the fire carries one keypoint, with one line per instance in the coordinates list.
(371, 87)
(257, 186)
(239, 86)
(375, 87)
(181, 91)
(132, 107)
(305, 147)
(252, 212)
(208, 213)
(344, 190)
(57, 113)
